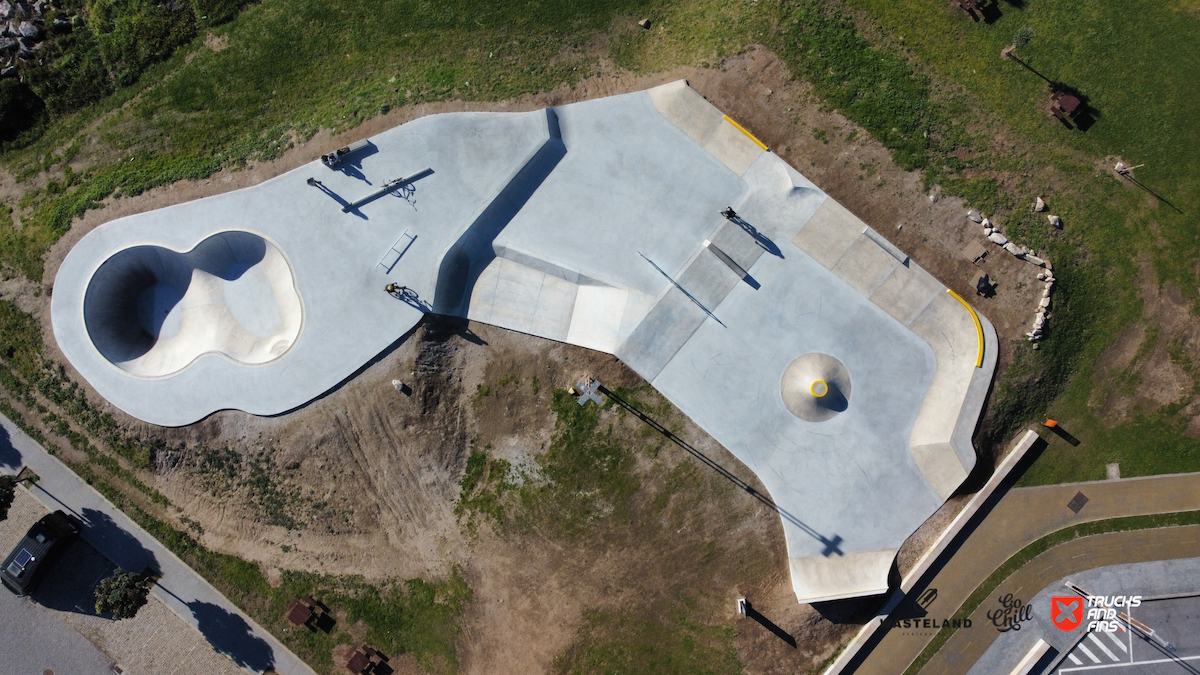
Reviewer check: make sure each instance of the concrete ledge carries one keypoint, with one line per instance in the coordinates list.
(710, 128)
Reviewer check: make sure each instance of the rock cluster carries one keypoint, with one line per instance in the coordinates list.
(22, 30)
(997, 237)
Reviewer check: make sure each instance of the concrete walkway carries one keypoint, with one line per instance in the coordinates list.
(111, 532)
(1017, 519)
(1115, 548)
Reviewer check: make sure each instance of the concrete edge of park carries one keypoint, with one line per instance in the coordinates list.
(934, 553)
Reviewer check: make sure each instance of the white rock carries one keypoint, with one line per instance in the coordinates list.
(900, 227)
(996, 238)
(1055, 221)
(1041, 310)
(974, 215)
(987, 223)
(1039, 205)
(1044, 302)
(933, 197)
(1012, 248)
(1041, 276)
(1031, 258)
(987, 231)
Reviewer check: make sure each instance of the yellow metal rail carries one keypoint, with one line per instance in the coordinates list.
(978, 327)
(748, 134)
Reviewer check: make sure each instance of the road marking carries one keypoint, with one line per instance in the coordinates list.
(1106, 666)
(1106, 650)
(1074, 659)
(1088, 653)
(1118, 642)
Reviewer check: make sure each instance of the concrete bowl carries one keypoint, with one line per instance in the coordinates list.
(152, 311)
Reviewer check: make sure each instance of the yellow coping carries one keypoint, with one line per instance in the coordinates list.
(978, 327)
(824, 388)
(748, 134)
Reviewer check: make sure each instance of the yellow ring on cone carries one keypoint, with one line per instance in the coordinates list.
(819, 388)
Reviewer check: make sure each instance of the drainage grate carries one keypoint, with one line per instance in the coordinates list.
(1077, 502)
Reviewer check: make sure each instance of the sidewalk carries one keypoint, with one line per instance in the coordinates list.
(1017, 519)
(111, 532)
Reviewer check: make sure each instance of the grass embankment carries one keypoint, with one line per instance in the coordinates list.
(1035, 549)
(412, 616)
(587, 493)
(1135, 66)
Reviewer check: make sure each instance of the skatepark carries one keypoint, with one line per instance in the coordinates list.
(846, 377)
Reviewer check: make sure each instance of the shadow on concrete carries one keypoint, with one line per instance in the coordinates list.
(851, 610)
(466, 259)
(832, 546)
(70, 585)
(351, 164)
(230, 634)
(759, 238)
(917, 603)
(409, 297)
(121, 547)
(769, 625)
(341, 202)
(10, 457)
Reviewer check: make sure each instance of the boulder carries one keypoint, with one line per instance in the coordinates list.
(1044, 302)
(1055, 221)
(28, 30)
(1039, 205)
(997, 238)
(24, 11)
(1041, 276)
(986, 223)
(8, 71)
(7, 44)
(1031, 258)
(6, 10)
(1013, 248)
(974, 215)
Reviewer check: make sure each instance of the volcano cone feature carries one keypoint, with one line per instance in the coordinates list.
(816, 387)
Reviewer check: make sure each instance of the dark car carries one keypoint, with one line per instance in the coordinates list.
(24, 568)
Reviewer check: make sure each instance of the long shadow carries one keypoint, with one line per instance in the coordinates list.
(759, 238)
(832, 545)
(910, 606)
(70, 585)
(770, 625)
(466, 259)
(230, 634)
(1157, 196)
(346, 208)
(10, 457)
(118, 545)
(410, 297)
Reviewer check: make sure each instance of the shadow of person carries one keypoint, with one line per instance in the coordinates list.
(230, 634)
(345, 204)
(116, 544)
(10, 457)
(759, 238)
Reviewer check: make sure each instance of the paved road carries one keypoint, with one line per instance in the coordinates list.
(1014, 519)
(967, 646)
(36, 640)
(226, 627)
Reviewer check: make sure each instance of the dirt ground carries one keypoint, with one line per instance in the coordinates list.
(387, 466)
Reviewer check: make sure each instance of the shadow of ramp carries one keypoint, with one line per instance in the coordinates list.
(467, 258)
(230, 635)
(10, 457)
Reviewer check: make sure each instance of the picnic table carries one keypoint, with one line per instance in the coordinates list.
(1064, 104)
(302, 611)
(973, 8)
(367, 660)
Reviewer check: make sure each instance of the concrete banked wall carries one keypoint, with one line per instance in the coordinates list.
(152, 311)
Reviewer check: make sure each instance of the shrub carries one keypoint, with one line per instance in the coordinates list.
(8, 490)
(123, 594)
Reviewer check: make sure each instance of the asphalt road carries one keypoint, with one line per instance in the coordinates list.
(34, 640)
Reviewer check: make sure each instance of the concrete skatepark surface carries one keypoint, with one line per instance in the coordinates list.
(597, 224)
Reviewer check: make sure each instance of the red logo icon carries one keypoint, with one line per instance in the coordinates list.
(1066, 611)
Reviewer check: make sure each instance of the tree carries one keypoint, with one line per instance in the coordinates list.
(8, 490)
(123, 594)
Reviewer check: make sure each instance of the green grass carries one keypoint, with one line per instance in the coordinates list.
(1037, 548)
(631, 643)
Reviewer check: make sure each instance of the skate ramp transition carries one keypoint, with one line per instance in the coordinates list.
(151, 311)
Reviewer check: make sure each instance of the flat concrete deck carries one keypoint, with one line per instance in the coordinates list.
(598, 224)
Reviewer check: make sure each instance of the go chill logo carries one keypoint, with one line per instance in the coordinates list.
(1067, 612)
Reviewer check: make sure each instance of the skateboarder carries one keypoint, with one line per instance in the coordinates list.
(729, 213)
(314, 182)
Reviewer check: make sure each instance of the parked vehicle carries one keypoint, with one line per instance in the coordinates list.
(26, 566)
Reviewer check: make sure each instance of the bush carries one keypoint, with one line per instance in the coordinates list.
(123, 594)
(8, 490)
(20, 110)
(1023, 36)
